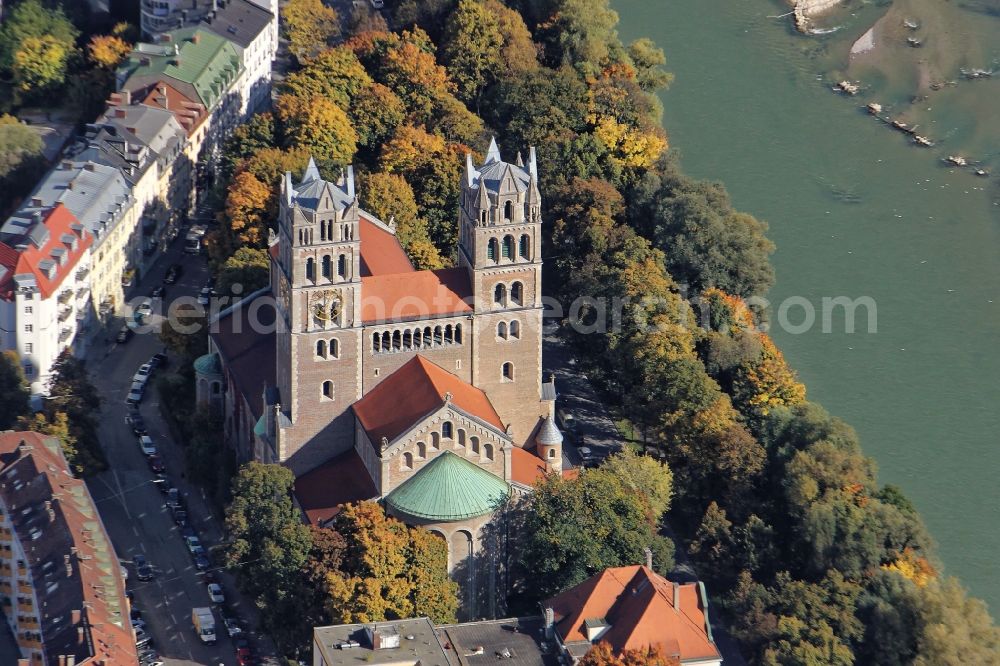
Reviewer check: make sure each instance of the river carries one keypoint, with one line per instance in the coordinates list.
(856, 210)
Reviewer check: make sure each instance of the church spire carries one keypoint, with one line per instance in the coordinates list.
(312, 173)
(493, 154)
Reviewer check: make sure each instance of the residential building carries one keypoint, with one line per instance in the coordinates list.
(146, 145)
(204, 67)
(160, 16)
(45, 301)
(633, 608)
(100, 198)
(60, 581)
(409, 642)
(370, 379)
(254, 28)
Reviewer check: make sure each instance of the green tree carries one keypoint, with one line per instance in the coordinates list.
(580, 33)
(269, 545)
(248, 267)
(612, 524)
(955, 628)
(40, 64)
(648, 60)
(389, 570)
(184, 333)
(376, 112)
(14, 393)
(318, 126)
(246, 140)
(33, 19)
(309, 26)
(389, 197)
(72, 395)
(21, 160)
(471, 48)
(335, 74)
(645, 476)
(59, 428)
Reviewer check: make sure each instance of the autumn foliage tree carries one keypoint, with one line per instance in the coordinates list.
(246, 205)
(108, 51)
(602, 655)
(319, 126)
(389, 570)
(390, 198)
(309, 26)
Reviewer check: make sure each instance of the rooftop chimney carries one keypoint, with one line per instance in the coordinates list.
(195, 38)
(649, 557)
(36, 202)
(165, 37)
(550, 622)
(677, 597)
(120, 113)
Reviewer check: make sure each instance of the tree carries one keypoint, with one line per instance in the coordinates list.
(335, 74)
(645, 476)
(602, 655)
(648, 58)
(519, 54)
(309, 26)
(318, 126)
(414, 75)
(269, 545)
(389, 570)
(14, 393)
(70, 413)
(956, 629)
(611, 525)
(59, 428)
(32, 19)
(471, 48)
(389, 197)
(184, 333)
(249, 268)
(248, 139)
(580, 33)
(452, 120)
(246, 209)
(40, 63)
(375, 113)
(108, 51)
(766, 382)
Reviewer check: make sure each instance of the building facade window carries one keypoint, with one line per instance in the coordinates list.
(524, 249)
(502, 330)
(28, 348)
(515, 329)
(500, 294)
(492, 249)
(328, 390)
(342, 266)
(508, 247)
(321, 348)
(446, 430)
(488, 451)
(517, 293)
(327, 266)
(507, 372)
(407, 461)
(28, 328)
(334, 348)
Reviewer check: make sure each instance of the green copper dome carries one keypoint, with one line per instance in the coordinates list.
(447, 489)
(208, 365)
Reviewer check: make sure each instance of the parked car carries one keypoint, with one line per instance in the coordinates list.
(147, 446)
(158, 291)
(173, 498)
(156, 464)
(243, 654)
(180, 517)
(124, 572)
(124, 334)
(142, 310)
(194, 544)
(215, 593)
(138, 624)
(135, 420)
(205, 296)
(145, 641)
(143, 571)
(187, 531)
(173, 274)
(201, 562)
(135, 393)
(142, 374)
(158, 361)
(232, 625)
(378, 4)
(162, 483)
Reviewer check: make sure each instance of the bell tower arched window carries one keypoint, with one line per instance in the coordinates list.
(508, 211)
(342, 266)
(508, 247)
(500, 294)
(524, 248)
(492, 251)
(311, 269)
(517, 293)
(327, 266)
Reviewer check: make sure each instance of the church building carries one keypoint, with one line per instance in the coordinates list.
(372, 380)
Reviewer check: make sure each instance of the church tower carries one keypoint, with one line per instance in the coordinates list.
(316, 281)
(500, 246)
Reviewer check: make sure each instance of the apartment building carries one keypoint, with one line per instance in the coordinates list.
(45, 301)
(60, 584)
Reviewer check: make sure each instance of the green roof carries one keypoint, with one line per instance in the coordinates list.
(194, 56)
(208, 365)
(448, 488)
(260, 428)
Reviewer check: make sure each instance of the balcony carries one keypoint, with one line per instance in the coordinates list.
(65, 313)
(65, 296)
(65, 334)
(82, 273)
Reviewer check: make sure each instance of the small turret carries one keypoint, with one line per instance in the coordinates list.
(549, 442)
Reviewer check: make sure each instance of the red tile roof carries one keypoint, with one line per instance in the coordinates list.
(639, 606)
(190, 113)
(322, 491)
(414, 391)
(381, 253)
(86, 613)
(416, 295)
(58, 222)
(526, 468)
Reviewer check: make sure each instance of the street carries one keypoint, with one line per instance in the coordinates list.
(132, 507)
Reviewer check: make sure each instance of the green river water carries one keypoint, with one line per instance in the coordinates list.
(856, 210)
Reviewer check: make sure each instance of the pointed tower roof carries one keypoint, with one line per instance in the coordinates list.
(448, 488)
(548, 433)
(493, 154)
(312, 173)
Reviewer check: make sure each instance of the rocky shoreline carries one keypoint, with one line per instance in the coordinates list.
(806, 10)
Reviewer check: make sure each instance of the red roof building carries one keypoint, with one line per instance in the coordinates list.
(57, 565)
(632, 608)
